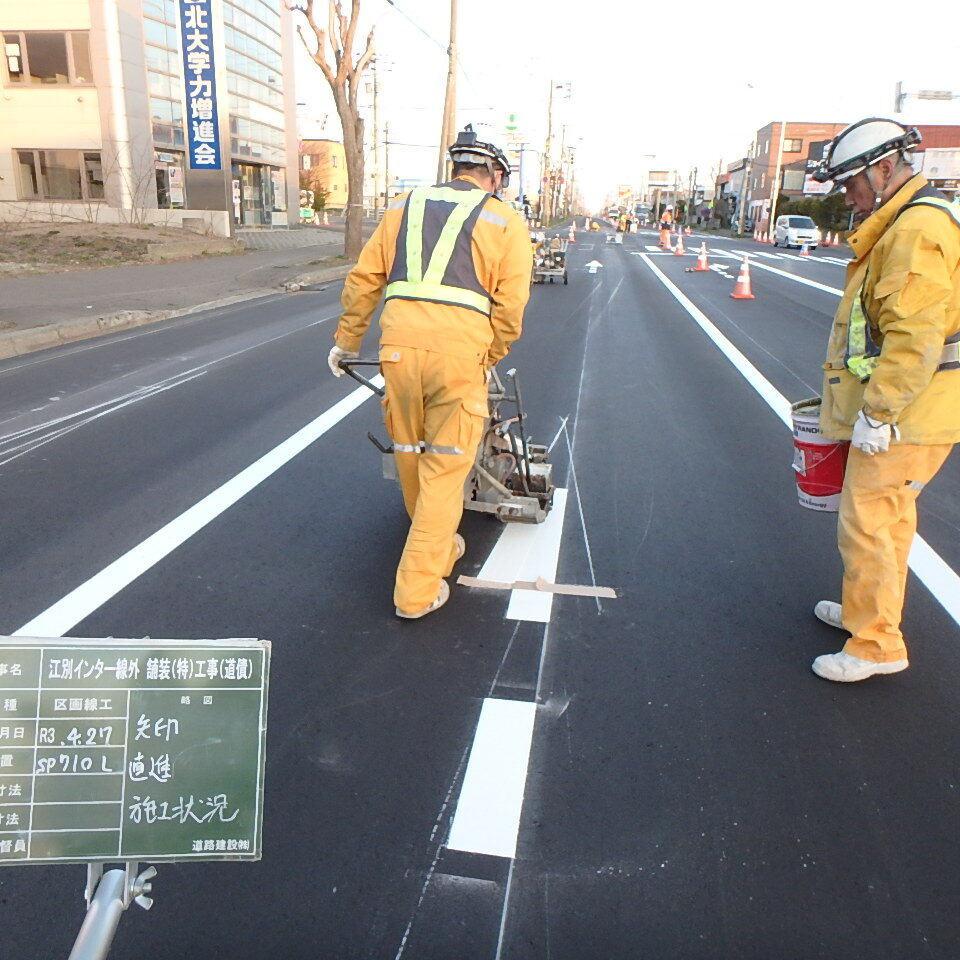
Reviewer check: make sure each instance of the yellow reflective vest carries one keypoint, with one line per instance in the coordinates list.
(906, 281)
(453, 263)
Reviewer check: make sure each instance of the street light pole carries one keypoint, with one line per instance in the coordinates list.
(545, 185)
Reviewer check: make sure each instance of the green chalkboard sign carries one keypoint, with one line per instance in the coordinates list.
(131, 750)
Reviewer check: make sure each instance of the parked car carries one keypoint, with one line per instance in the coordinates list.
(796, 232)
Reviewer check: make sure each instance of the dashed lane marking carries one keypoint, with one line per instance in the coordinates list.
(931, 569)
(527, 552)
(487, 818)
(67, 612)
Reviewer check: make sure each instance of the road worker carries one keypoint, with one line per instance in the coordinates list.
(666, 225)
(891, 381)
(454, 262)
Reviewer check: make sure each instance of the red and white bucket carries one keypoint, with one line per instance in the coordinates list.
(818, 463)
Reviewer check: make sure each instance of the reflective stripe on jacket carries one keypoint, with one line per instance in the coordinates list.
(499, 265)
(906, 280)
(437, 226)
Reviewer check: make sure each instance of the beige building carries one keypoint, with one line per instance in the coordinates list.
(324, 166)
(148, 111)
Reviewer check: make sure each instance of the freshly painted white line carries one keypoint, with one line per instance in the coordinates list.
(769, 256)
(525, 552)
(488, 811)
(798, 279)
(652, 247)
(931, 569)
(719, 252)
(774, 399)
(84, 599)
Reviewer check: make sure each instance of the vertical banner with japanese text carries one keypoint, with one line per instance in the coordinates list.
(199, 75)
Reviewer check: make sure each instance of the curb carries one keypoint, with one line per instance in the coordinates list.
(17, 343)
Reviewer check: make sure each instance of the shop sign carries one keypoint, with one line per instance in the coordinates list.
(199, 73)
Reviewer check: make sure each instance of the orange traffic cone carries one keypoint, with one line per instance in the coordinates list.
(702, 259)
(688, 231)
(572, 234)
(804, 250)
(679, 250)
(665, 240)
(742, 290)
(326, 219)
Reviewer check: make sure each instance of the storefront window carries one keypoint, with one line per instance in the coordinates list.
(169, 168)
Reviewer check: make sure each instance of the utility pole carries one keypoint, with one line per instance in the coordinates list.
(775, 186)
(376, 143)
(450, 98)
(546, 186)
(386, 165)
(744, 192)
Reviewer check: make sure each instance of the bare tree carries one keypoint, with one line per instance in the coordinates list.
(343, 76)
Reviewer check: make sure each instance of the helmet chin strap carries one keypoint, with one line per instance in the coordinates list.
(877, 193)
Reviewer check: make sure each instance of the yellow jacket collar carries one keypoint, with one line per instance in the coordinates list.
(865, 238)
(473, 180)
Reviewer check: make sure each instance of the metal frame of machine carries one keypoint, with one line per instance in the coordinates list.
(511, 478)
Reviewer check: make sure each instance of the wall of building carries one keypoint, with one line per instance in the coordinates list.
(327, 168)
(44, 117)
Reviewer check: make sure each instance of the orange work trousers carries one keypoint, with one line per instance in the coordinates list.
(876, 527)
(435, 410)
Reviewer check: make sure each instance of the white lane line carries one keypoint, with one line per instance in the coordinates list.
(652, 247)
(83, 600)
(719, 252)
(769, 256)
(526, 551)
(773, 398)
(798, 279)
(487, 818)
(931, 569)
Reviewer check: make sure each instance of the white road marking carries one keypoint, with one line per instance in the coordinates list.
(931, 569)
(103, 586)
(798, 279)
(769, 256)
(718, 252)
(526, 551)
(487, 818)
(652, 247)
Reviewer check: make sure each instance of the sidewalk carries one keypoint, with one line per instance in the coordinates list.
(50, 309)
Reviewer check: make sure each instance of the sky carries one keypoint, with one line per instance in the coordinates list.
(689, 84)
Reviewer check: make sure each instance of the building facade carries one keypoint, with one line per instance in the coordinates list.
(149, 111)
(323, 165)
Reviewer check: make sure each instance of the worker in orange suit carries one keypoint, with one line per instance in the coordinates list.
(666, 225)
(891, 382)
(453, 262)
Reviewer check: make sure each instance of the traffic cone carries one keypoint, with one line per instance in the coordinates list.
(742, 290)
(702, 259)
(326, 219)
(688, 231)
(804, 250)
(572, 234)
(679, 250)
(586, 223)
(665, 243)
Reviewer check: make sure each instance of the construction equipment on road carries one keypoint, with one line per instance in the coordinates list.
(614, 238)
(511, 478)
(742, 290)
(550, 263)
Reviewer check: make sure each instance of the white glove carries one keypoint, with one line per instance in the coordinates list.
(872, 436)
(335, 356)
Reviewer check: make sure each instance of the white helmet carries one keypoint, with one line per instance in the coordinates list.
(863, 144)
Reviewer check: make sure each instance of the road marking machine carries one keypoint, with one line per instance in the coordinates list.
(511, 478)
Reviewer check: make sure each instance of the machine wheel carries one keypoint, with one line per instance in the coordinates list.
(551, 279)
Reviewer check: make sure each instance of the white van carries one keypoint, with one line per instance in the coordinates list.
(796, 232)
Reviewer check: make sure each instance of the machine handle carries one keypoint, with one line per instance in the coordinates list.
(347, 367)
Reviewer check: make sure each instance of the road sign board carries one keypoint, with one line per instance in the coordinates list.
(131, 750)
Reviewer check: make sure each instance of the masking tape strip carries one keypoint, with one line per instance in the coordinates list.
(544, 586)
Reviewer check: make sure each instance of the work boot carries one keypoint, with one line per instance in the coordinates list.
(829, 611)
(844, 668)
(442, 597)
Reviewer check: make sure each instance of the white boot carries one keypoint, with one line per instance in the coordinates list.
(844, 668)
(829, 611)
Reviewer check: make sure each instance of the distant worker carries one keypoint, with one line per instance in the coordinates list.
(455, 263)
(891, 381)
(666, 225)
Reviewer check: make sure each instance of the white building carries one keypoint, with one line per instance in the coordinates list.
(148, 111)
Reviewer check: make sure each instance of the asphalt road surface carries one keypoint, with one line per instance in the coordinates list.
(659, 775)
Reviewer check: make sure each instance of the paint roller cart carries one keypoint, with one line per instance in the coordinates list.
(511, 478)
